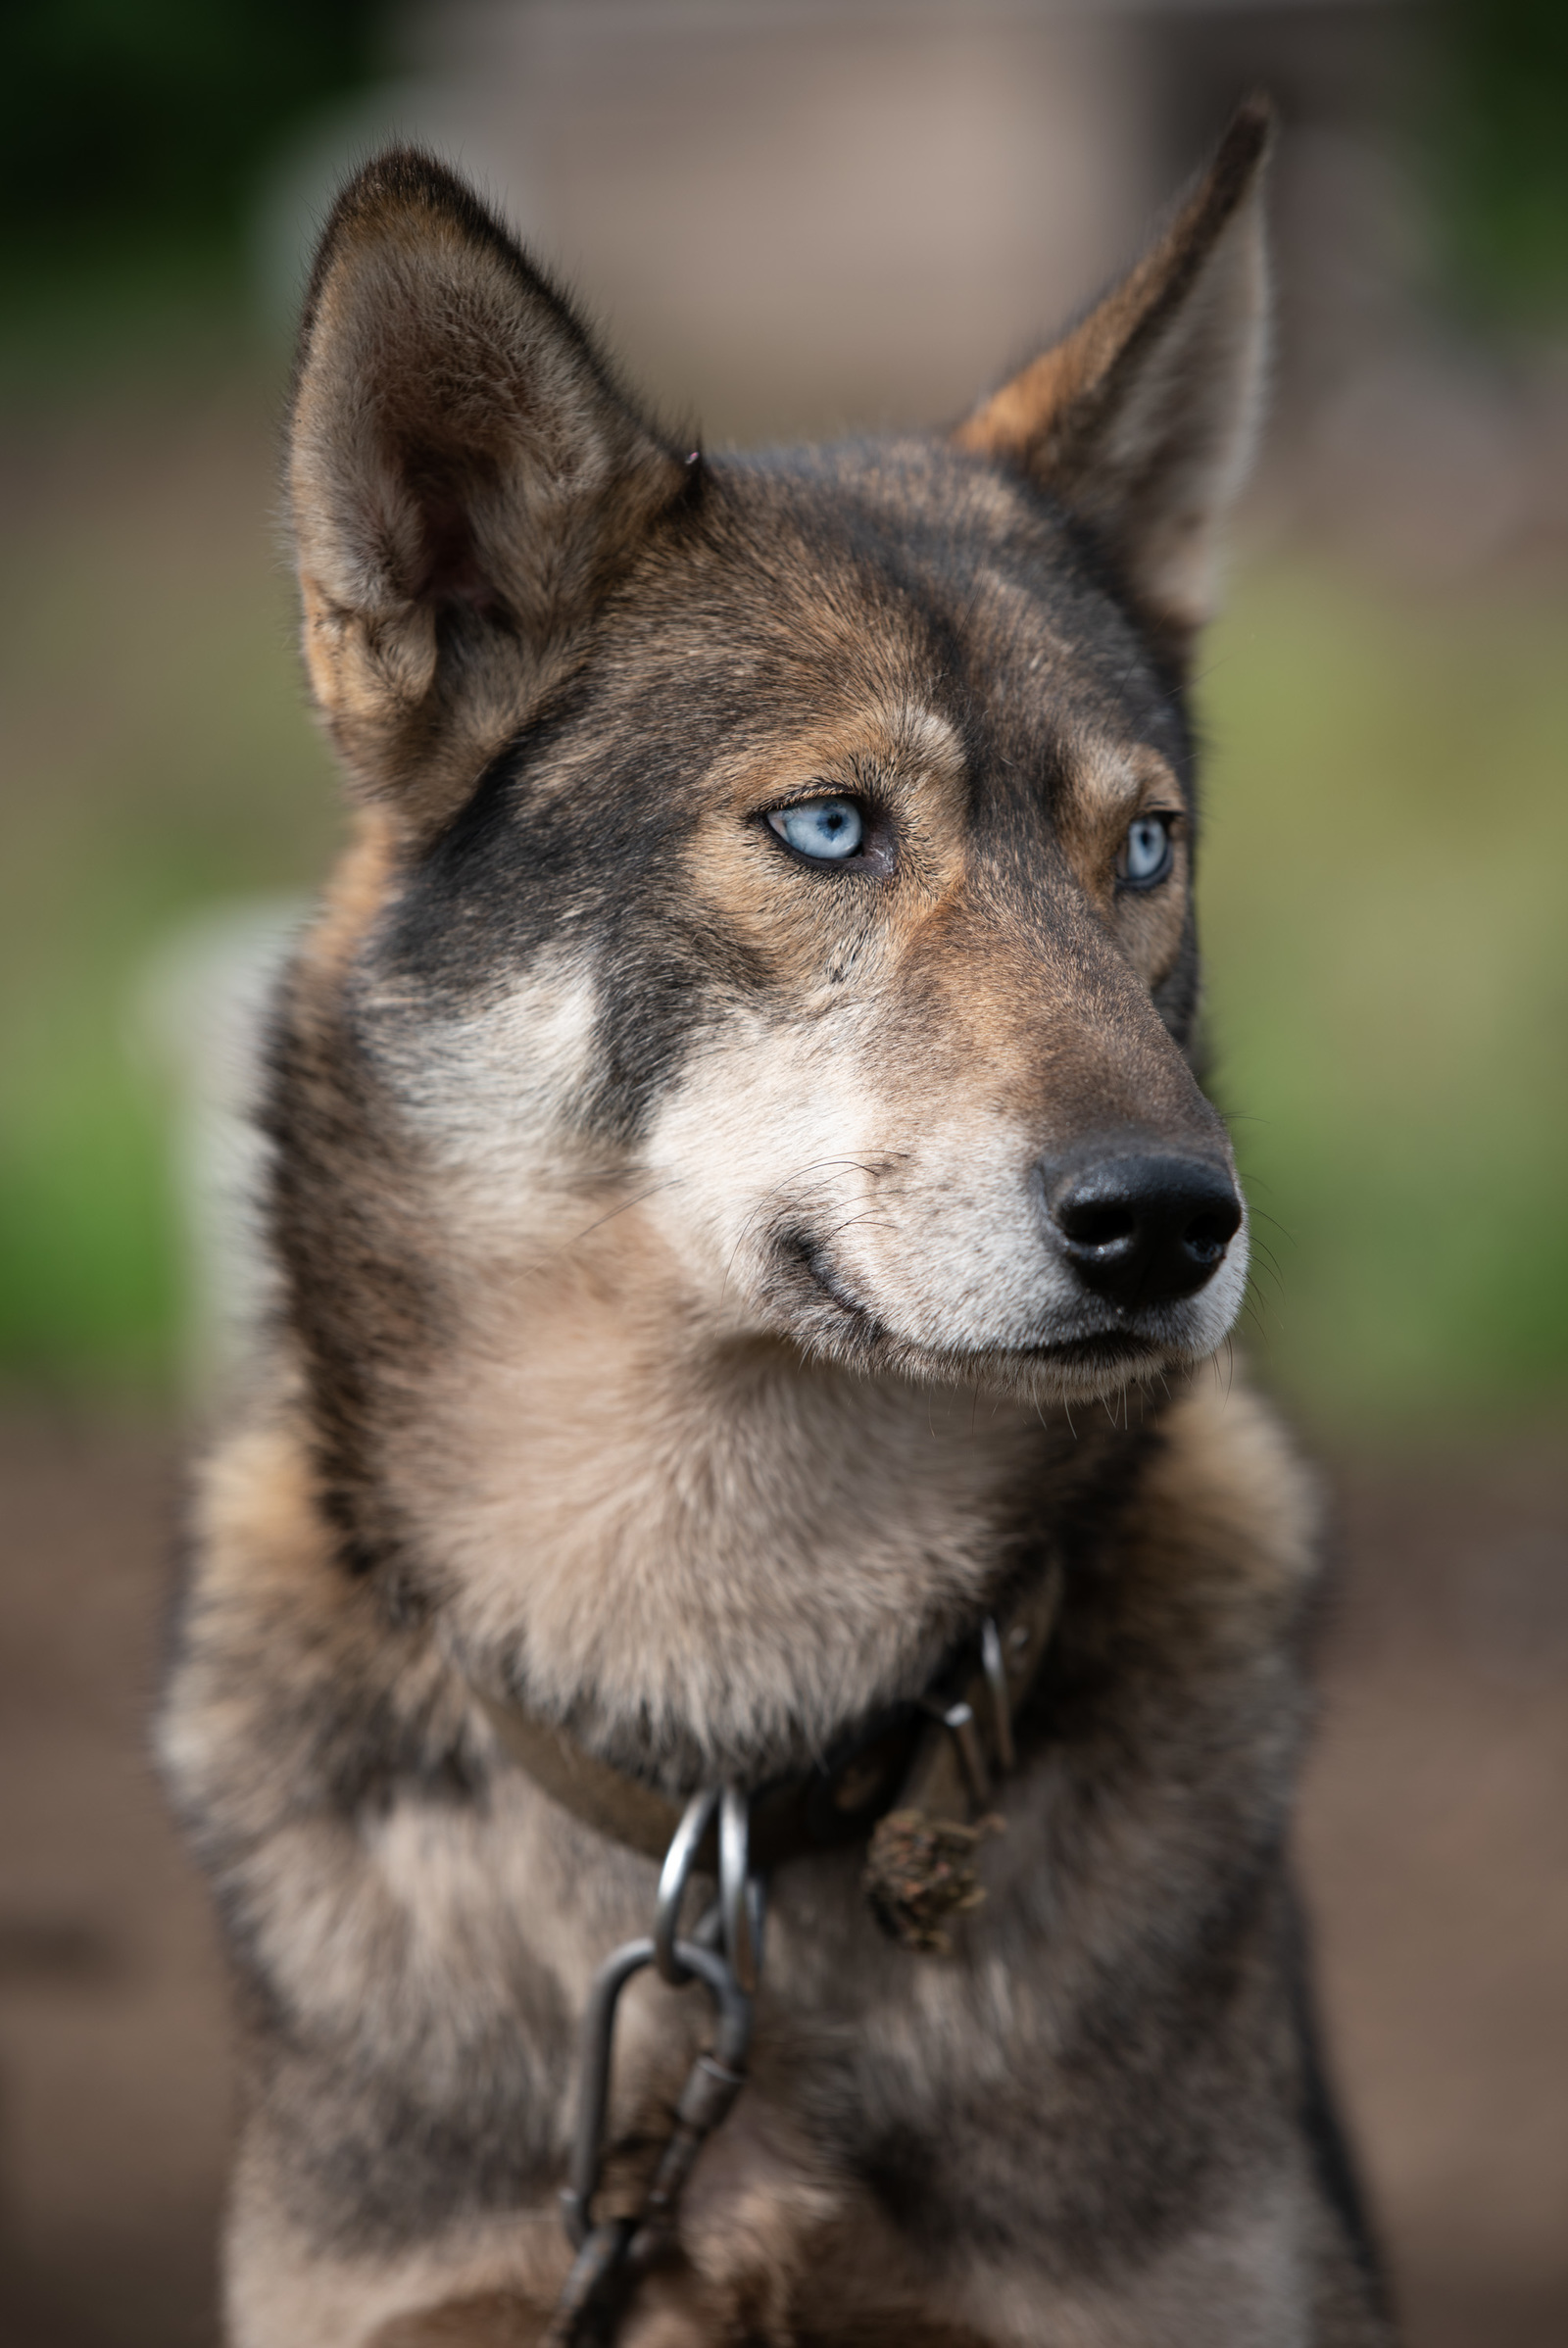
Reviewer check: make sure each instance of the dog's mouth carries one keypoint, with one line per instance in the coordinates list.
(1100, 1350)
(806, 1255)
(1085, 1363)
(1089, 1367)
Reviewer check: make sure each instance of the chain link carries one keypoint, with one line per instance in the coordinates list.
(615, 2253)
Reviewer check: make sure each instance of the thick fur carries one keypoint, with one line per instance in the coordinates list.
(671, 1333)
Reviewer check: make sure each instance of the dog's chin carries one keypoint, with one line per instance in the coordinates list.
(1102, 1368)
(1099, 1362)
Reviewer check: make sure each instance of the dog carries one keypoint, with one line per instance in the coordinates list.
(750, 1248)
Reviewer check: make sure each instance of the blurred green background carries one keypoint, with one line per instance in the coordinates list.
(1382, 894)
(1387, 818)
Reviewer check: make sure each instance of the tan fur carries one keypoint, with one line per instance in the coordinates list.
(355, 893)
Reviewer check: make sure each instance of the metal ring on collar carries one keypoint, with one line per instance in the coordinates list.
(673, 1878)
(739, 1901)
(995, 1672)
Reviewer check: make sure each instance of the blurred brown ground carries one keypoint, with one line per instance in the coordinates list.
(1435, 1840)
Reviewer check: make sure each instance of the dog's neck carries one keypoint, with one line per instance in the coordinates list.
(696, 1546)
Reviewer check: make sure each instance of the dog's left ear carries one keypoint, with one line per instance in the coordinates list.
(1142, 419)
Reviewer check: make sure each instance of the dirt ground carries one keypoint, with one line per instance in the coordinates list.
(1434, 1840)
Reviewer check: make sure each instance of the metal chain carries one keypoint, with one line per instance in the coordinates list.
(615, 2253)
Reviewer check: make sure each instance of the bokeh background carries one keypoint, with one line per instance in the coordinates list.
(794, 217)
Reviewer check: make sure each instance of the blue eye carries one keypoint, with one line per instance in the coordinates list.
(825, 829)
(1146, 855)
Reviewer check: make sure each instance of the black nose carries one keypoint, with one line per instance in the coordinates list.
(1146, 1230)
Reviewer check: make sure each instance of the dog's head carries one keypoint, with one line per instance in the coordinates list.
(798, 848)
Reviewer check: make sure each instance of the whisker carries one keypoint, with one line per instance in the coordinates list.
(624, 1207)
(810, 1166)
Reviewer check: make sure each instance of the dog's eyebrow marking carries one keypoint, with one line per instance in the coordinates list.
(915, 732)
(1110, 781)
(900, 739)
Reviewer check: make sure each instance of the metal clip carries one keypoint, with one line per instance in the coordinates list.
(614, 2252)
(715, 2080)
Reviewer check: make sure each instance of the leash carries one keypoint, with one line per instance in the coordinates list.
(914, 1782)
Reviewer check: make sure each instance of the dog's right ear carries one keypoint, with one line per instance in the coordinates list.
(465, 479)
